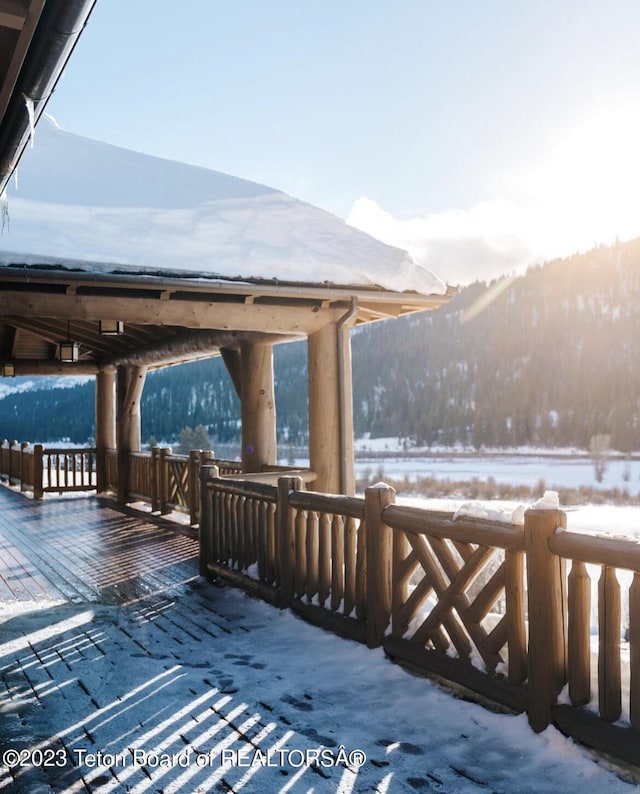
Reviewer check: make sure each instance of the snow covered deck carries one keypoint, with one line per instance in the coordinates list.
(128, 672)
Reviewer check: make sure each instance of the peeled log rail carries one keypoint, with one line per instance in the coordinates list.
(614, 552)
(609, 682)
(579, 650)
(634, 652)
(468, 530)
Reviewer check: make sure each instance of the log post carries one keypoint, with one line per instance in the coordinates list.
(105, 425)
(330, 410)
(285, 541)
(547, 604)
(207, 528)
(128, 392)
(258, 407)
(38, 455)
(379, 558)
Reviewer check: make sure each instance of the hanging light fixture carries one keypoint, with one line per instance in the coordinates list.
(111, 327)
(69, 350)
(8, 369)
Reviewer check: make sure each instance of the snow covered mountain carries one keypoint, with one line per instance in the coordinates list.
(87, 205)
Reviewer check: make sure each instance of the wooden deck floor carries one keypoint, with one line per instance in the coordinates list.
(88, 549)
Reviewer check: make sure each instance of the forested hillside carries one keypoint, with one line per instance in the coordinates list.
(547, 358)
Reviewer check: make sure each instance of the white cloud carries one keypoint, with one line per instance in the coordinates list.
(490, 239)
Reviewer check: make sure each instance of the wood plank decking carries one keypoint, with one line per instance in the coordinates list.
(85, 549)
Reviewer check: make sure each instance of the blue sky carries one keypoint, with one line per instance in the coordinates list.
(479, 135)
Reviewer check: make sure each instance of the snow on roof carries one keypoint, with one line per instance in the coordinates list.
(105, 209)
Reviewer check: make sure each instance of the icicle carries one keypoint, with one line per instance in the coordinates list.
(4, 212)
(15, 179)
(30, 112)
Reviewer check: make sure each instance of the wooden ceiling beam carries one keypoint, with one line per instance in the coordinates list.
(27, 366)
(257, 291)
(221, 316)
(180, 347)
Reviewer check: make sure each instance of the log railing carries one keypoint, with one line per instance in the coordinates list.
(329, 562)
(68, 470)
(243, 546)
(446, 595)
(47, 469)
(603, 678)
(166, 481)
(171, 482)
(457, 599)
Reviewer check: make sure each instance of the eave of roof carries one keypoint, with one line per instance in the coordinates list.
(46, 34)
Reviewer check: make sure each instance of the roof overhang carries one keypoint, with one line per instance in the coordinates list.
(168, 320)
(36, 41)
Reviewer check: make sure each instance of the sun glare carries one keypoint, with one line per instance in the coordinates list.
(589, 190)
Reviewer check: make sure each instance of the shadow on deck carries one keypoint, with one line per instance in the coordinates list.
(122, 670)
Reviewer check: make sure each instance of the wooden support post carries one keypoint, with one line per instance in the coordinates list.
(105, 425)
(379, 558)
(258, 407)
(330, 410)
(547, 615)
(285, 541)
(207, 528)
(128, 391)
(163, 480)
(38, 455)
(193, 490)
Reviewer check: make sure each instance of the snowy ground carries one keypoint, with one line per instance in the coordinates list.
(242, 709)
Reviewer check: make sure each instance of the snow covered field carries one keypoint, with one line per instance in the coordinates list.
(556, 468)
